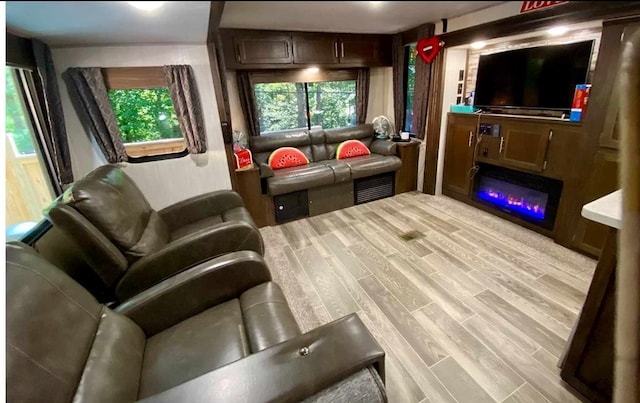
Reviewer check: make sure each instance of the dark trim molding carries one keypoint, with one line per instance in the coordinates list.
(20, 52)
(218, 76)
(569, 13)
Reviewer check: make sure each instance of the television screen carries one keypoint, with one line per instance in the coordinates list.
(543, 77)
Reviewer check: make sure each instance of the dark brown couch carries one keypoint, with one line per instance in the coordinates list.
(218, 332)
(320, 148)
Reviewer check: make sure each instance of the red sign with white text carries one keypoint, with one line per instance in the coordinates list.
(538, 5)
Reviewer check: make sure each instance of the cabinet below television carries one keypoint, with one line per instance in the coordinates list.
(521, 167)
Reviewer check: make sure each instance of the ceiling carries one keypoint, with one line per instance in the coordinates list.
(75, 23)
(71, 23)
(383, 17)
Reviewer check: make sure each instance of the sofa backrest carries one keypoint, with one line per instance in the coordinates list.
(111, 201)
(262, 146)
(333, 137)
(317, 144)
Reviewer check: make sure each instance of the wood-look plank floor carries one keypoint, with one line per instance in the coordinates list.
(473, 309)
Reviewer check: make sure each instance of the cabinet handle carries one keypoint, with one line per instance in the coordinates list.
(470, 138)
(335, 49)
(501, 145)
(342, 49)
(546, 150)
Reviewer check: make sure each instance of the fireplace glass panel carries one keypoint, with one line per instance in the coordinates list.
(515, 198)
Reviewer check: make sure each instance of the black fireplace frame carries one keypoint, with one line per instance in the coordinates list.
(552, 187)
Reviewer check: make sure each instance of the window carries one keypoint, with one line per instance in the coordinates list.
(284, 104)
(410, 77)
(144, 111)
(28, 186)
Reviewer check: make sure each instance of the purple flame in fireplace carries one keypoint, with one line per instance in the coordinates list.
(514, 198)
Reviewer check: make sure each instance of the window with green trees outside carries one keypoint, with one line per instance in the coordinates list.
(410, 86)
(145, 114)
(287, 105)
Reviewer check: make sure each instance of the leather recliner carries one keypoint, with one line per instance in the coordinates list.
(131, 246)
(220, 331)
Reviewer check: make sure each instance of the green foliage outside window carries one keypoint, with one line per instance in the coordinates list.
(145, 114)
(15, 122)
(410, 87)
(283, 106)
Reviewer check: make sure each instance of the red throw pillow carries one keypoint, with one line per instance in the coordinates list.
(287, 157)
(351, 148)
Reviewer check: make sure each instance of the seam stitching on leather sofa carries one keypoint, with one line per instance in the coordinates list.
(56, 287)
(261, 303)
(38, 364)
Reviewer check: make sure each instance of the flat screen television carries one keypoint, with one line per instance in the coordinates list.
(540, 78)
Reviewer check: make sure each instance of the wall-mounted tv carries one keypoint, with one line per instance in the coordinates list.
(542, 78)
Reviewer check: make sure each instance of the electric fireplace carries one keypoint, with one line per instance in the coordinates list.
(532, 198)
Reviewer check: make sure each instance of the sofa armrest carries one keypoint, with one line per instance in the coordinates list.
(195, 290)
(284, 372)
(186, 252)
(383, 147)
(200, 207)
(265, 171)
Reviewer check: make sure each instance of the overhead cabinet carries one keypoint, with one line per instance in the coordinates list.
(248, 49)
(259, 49)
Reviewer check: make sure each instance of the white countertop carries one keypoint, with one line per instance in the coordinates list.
(606, 210)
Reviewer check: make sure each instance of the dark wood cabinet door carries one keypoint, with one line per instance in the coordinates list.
(359, 49)
(315, 49)
(524, 145)
(458, 157)
(589, 235)
(261, 49)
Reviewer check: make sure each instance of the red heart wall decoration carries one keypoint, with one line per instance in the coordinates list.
(428, 48)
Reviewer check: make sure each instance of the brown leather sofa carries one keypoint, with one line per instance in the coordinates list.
(320, 146)
(131, 246)
(218, 332)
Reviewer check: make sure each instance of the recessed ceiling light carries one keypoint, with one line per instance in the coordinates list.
(313, 69)
(376, 3)
(146, 5)
(557, 31)
(479, 44)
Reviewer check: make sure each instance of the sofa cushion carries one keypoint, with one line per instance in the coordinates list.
(191, 348)
(373, 164)
(341, 171)
(287, 157)
(112, 370)
(196, 226)
(114, 204)
(267, 316)
(289, 180)
(262, 146)
(318, 148)
(334, 137)
(350, 149)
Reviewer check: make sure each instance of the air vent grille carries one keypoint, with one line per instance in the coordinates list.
(374, 188)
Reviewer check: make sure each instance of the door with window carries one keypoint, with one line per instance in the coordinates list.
(28, 185)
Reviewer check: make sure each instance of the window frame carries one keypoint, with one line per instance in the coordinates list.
(27, 90)
(131, 78)
(301, 76)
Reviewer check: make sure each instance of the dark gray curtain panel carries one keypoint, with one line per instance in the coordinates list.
(362, 95)
(186, 101)
(399, 67)
(48, 98)
(422, 82)
(248, 102)
(90, 98)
